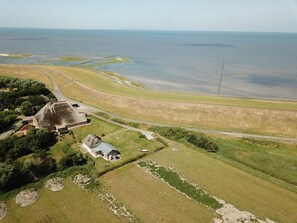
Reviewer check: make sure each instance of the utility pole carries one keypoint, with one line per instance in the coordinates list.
(222, 74)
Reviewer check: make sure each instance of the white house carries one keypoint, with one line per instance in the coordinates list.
(96, 147)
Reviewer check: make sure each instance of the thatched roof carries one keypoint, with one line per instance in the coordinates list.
(92, 141)
(58, 113)
(96, 145)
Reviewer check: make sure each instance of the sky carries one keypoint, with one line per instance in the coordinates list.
(200, 15)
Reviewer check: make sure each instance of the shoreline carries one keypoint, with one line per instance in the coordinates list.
(125, 81)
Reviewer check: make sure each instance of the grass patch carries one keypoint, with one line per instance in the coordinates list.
(109, 61)
(155, 201)
(185, 136)
(174, 180)
(96, 126)
(235, 185)
(16, 55)
(275, 159)
(71, 58)
(66, 59)
(72, 204)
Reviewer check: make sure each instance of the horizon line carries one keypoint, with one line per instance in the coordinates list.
(152, 30)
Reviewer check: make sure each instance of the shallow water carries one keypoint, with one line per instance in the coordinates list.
(255, 64)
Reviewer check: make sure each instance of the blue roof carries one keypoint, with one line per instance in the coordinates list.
(105, 148)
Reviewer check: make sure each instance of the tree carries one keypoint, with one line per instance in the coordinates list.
(43, 164)
(8, 176)
(72, 159)
(27, 108)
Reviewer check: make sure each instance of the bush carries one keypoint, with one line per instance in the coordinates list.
(27, 108)
(195, 139)
(72, 159)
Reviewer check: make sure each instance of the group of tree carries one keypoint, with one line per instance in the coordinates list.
(7, 118)
(27, 159)
(183, 135)
(16, 174)
(20, 96)
(12, 148)
(26, 94)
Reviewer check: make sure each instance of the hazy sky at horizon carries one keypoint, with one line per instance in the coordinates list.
(209, 15)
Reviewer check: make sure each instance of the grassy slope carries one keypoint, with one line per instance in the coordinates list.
(102, 83)
(62, 206)
(24, 72)
(245, 191)
(275, 159)
(150, 199)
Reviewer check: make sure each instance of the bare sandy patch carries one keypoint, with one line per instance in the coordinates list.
(26, 197)
(231, 214)
(115, 207)
(81, 180)
(55, 184)
(3, 211)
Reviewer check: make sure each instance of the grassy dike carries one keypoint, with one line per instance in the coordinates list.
(201, 111)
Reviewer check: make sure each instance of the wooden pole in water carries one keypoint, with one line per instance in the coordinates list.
(222, 73)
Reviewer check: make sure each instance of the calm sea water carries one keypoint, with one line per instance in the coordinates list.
(255, 64)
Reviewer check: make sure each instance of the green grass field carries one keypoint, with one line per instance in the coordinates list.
(96, 126)
(174, 180)
(240, 188)
(278, 160)
(151, 200)
(72, 204)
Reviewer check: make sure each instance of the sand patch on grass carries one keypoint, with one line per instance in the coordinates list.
(55, 184)
(81, 180)
(26, 197)
(115, 207)
(231, 214)
(3, 211)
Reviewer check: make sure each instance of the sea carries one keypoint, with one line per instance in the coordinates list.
(260, 65)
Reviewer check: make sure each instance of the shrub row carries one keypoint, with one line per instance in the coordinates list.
(183, 135)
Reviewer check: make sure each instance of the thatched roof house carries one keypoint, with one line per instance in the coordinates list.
(96, 147)
(58, 115)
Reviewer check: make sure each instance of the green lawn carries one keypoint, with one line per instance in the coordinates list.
(72, 204)
(96, 126)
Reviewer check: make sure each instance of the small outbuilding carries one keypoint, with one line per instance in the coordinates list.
(96, 147)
